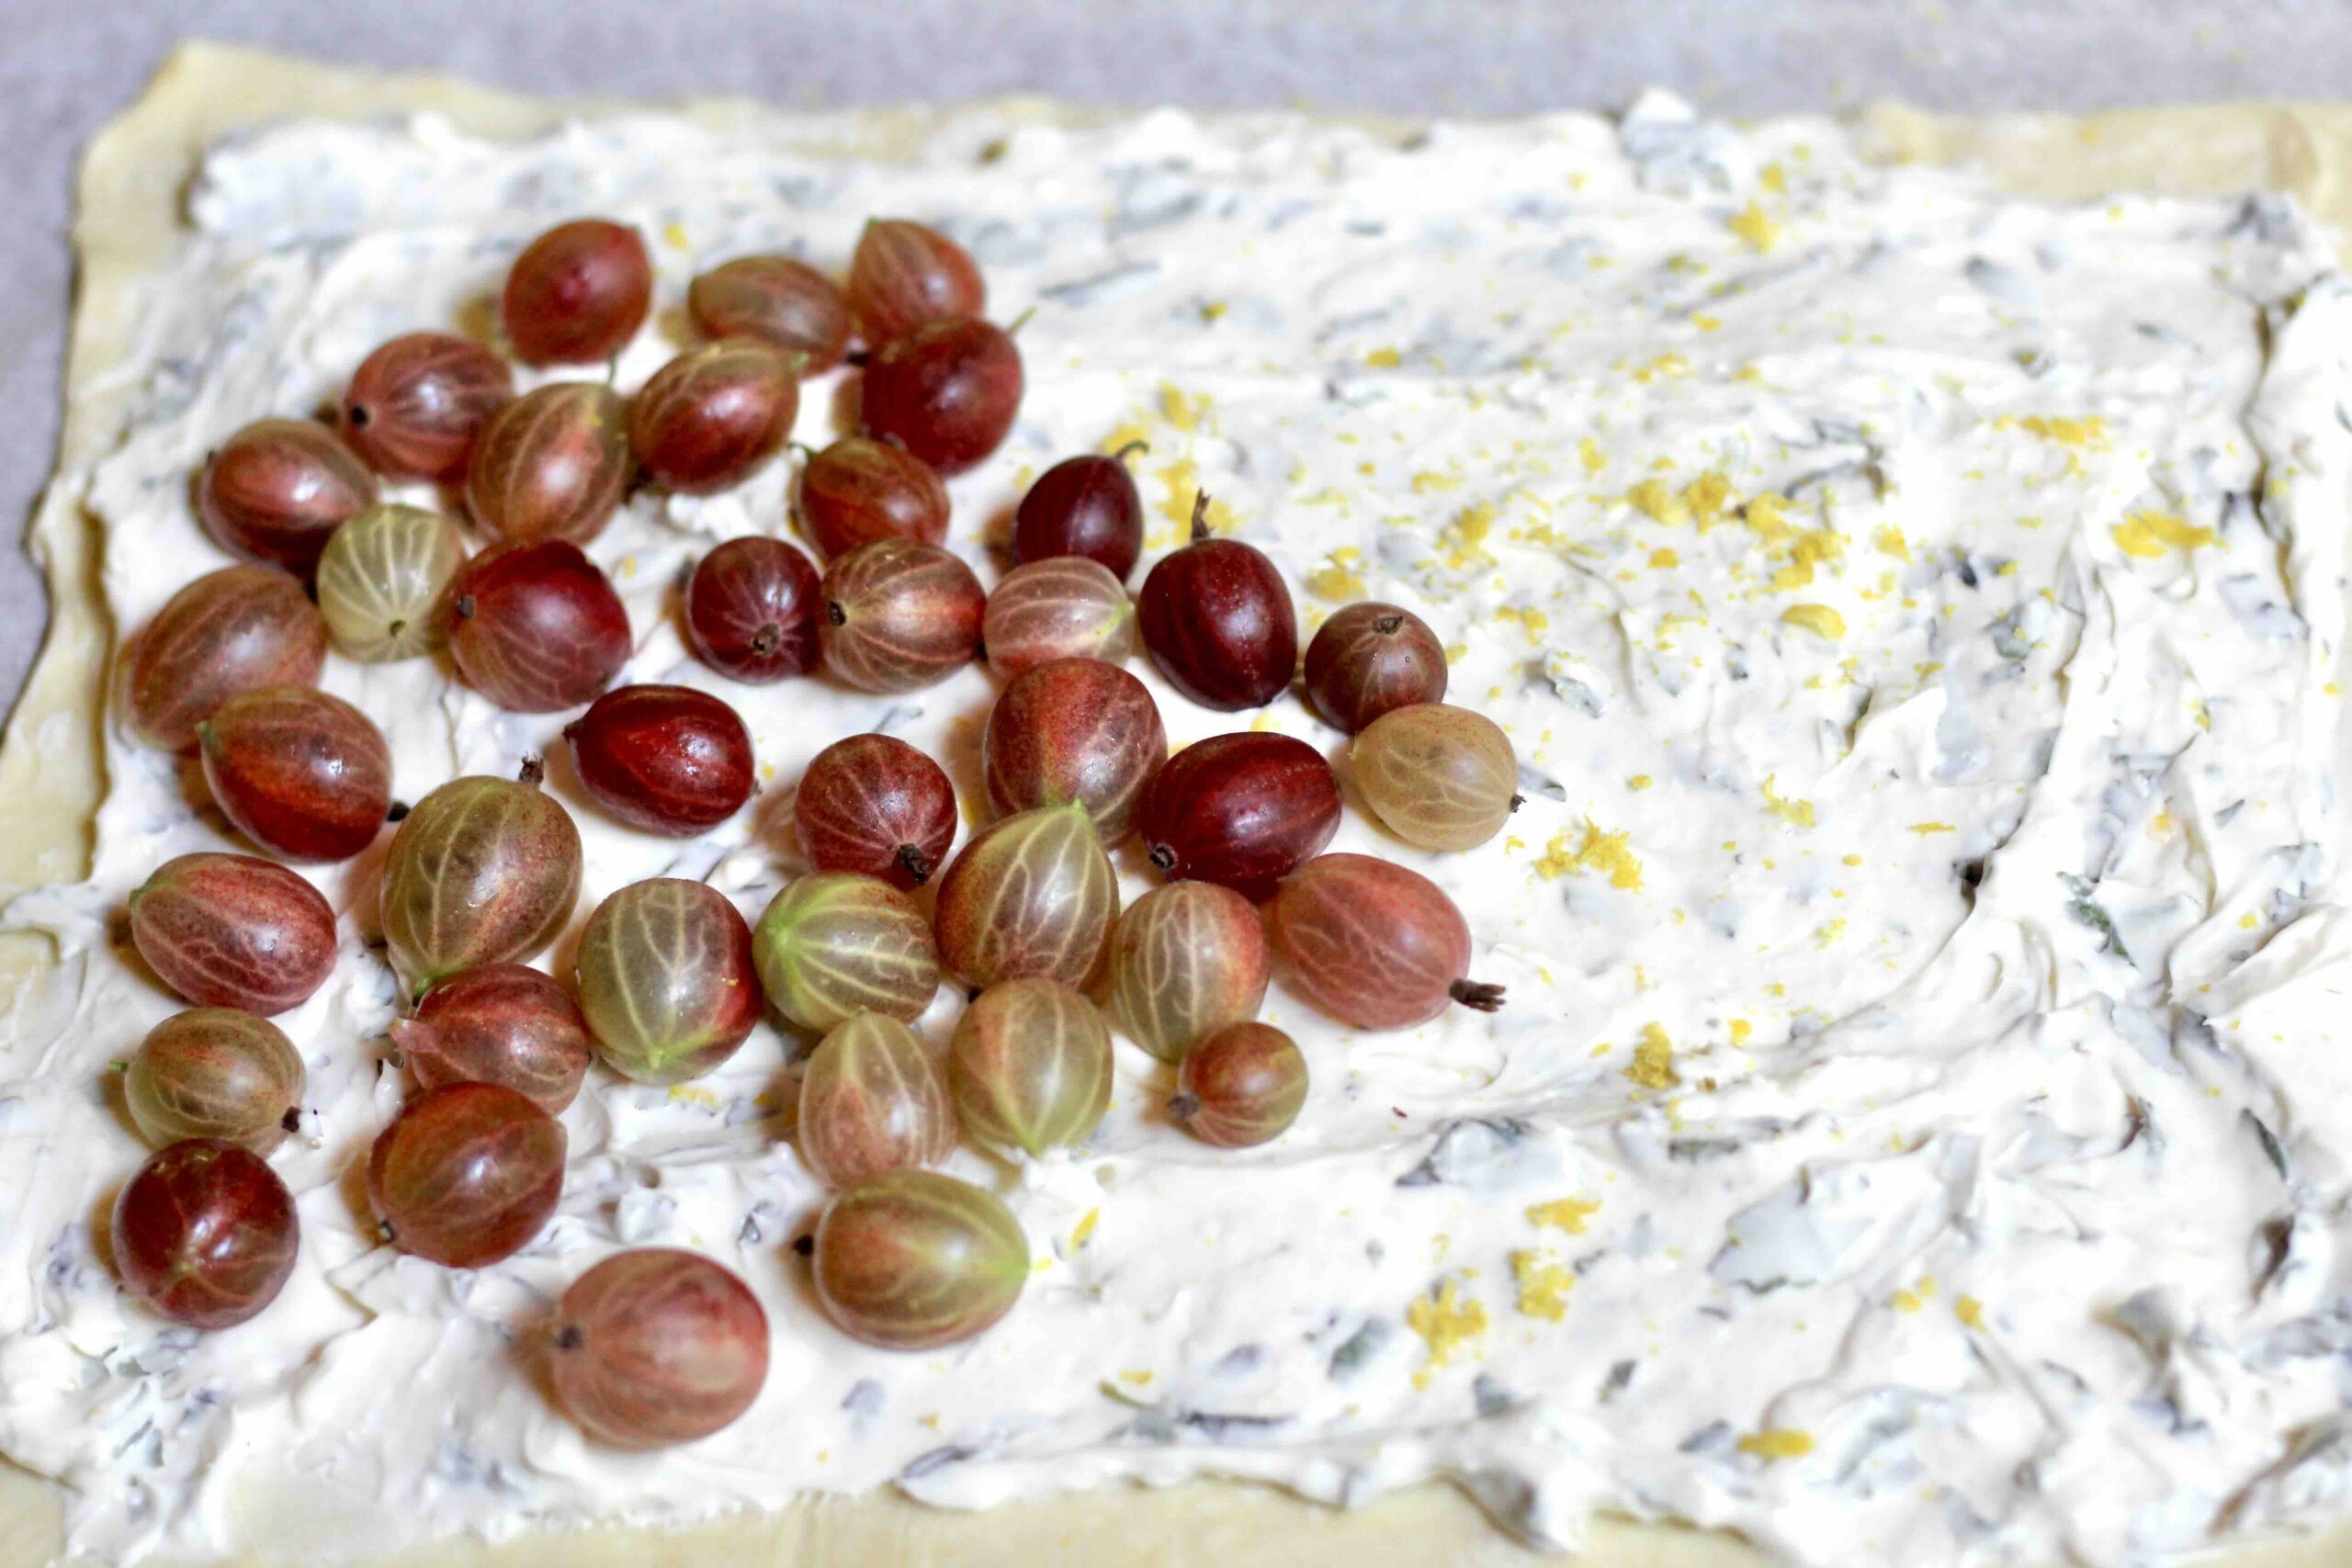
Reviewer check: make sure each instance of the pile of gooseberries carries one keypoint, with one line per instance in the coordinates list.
(658, 1346)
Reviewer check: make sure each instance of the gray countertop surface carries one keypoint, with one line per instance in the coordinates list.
(68, 66)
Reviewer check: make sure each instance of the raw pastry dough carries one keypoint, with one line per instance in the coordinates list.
(50, 776)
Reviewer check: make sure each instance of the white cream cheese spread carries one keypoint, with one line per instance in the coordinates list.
(1916, 1131)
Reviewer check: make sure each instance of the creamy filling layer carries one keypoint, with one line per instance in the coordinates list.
(1915, 1127)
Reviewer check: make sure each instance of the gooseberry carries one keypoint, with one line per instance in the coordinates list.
(233, 931)
(666, 759)
(1241, 809)
(206, 1234)
(1030, 1067)
(1438, 777)
(778, 301)
(834, 944)
(874, 803)
(900, 616)
(233, 630)
(1217, 621)
(553, 464)
(215, 1073)
(578, 293)
(1031, 895)
(482, 870)
(947, 391)
(857, 490)
(415, 405)
(1370, 658)
(1064, 607)
(303, 774)
(275, 489)
(1240, 1086)
(1373, 944)
(752, 610)
(873, 1099)
(466, 1174)
(500, 1024)
(537, 628)
(1083, 506)
(903, 274)
(1186, 960)
(658, 1346)
(912, 1260)
(666, 980)
(1074, 730)
(382, 579)
(714, 414)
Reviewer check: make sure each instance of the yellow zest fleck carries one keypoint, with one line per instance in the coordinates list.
(1599, 850)
(1455, 652)
(1917, 1296)
(695, 1094)
(1708, 497)
(1564, 1213)
(1335, 582)
(1705, 323)
(1970, 1311)
(1136, 1376)
(1464, 538)
(1446, 1322)
(1532, 621)
(1384, 359)
(1653, 500)
(1828, 933)
(1085, 1231)
(1741, 1030)
(1820, 619)
(1544, 1283)
(1926, 829)
(2091, 432)
(1812, 548)
(1767, 517)
(1654, 1059)
(2147, 534)
(1795, 813)
(1428, 480)
(1663, 559)
(1777, 1442)
(1213, 310)
(1890, 541)
(1772, 177)
(2248, 920)
(1754, 225)
(1589, 454)
(1638, 782)
(1179, 411)
(1667, 366)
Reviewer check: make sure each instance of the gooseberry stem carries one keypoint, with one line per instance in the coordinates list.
(1199, 515)
(1476, 995)
(918, 865)
(1138, 445)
